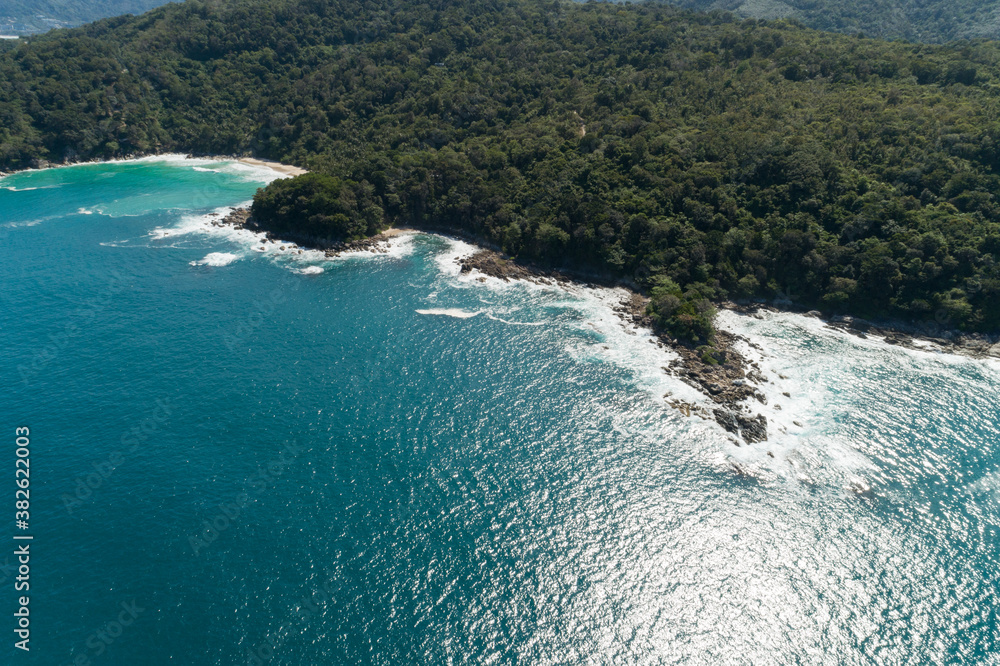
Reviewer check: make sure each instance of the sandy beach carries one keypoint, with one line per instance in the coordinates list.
(277, 166)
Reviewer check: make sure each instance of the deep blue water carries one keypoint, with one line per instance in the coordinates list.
(388, 463)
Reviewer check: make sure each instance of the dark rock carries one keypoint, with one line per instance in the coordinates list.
(496, 265)
(753, 429)
(727, 420)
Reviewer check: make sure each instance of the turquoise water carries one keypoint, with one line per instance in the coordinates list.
(272, 458)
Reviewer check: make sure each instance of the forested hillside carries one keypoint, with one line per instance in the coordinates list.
(935, 21)
(700, 157)
(33, 16)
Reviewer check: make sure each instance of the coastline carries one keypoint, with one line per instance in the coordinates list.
(727, 379)
(287, 170)
(927, 337)
(239, 218)
(731, 383)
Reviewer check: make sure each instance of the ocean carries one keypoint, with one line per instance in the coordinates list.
(243, 454)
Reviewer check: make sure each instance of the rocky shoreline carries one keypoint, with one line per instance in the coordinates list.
(728, 380)
(241, 218)
(919, 337)
(732, 382)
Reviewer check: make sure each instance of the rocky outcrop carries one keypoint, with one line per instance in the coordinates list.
(496, 265)
(241, 218)
(378, 243)
(729, 380)
(723, 376)
(237, 218)
(751, 429)
(921, 336)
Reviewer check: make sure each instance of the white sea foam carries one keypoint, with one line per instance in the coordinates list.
(202, 224)
(395, 247)
(447, 261)
(457, 313)
(629, 346)
(84, 211)
(789, 350)
(798, 355)
(286, 253)
(800, 450)
(606, 337)
(216, 259)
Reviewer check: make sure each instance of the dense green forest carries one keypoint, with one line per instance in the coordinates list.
(935, 21)
(699, 157)
(32, 16)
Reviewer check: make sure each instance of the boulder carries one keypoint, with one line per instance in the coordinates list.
(753, 429)
(727, 420)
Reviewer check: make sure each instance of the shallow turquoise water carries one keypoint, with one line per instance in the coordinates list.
(287, 466)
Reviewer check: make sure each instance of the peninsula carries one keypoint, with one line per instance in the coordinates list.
(694, 156)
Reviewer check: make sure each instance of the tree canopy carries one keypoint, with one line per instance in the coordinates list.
(933, 21)
(696, 155)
